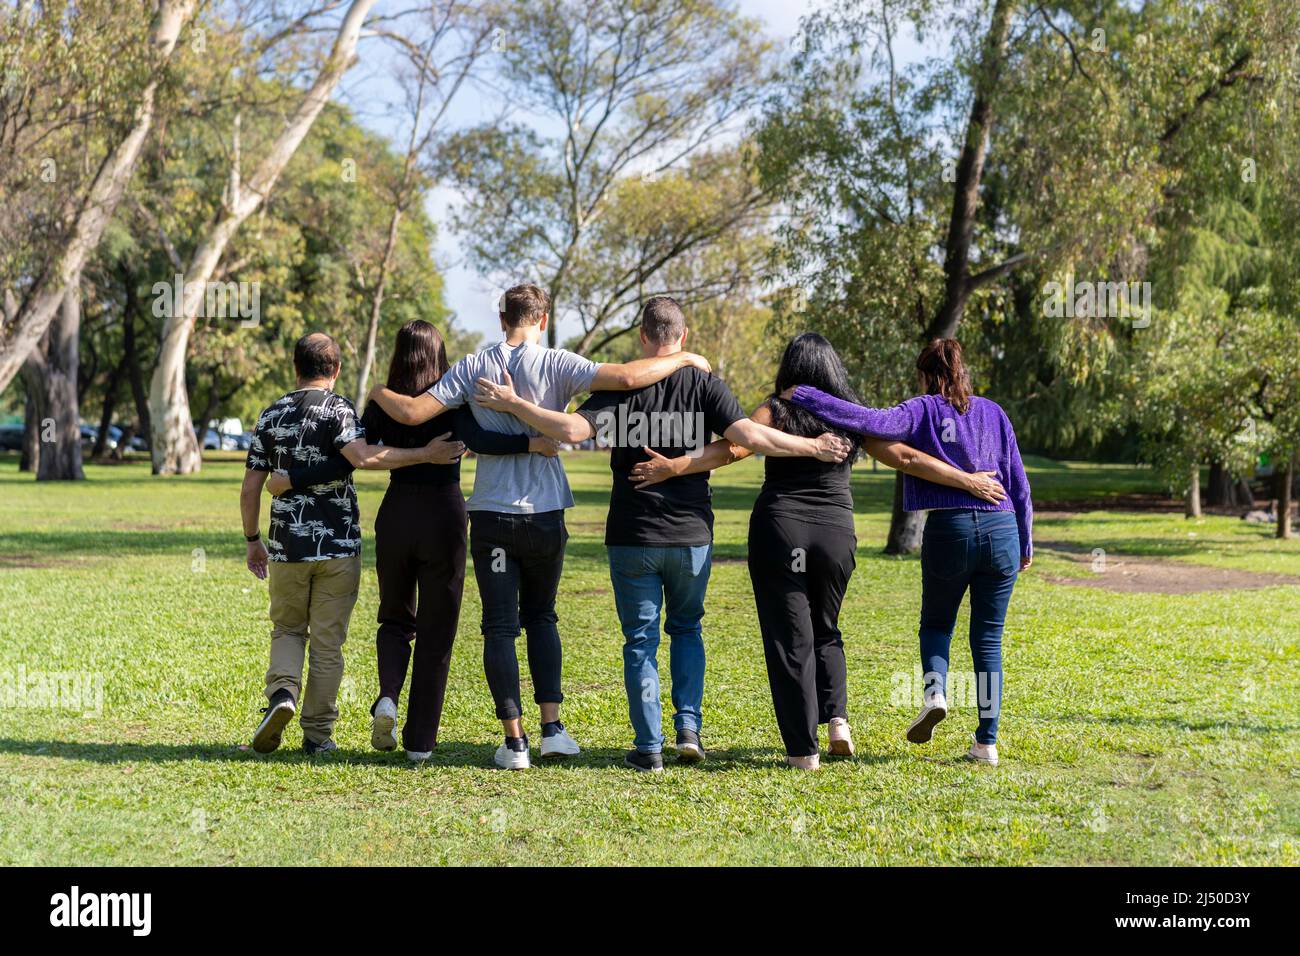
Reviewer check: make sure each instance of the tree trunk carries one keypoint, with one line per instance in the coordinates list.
(1193, 508)
(109, 407)
(44, 300)
(1220, 492)
(1284, 497)
(131, 353)
(173, 446)
(376, 309)
(57, 410)
(970, 171)
(1243, 495)
(31, 455)
(905, 527)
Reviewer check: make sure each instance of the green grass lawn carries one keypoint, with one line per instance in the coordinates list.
(1136, 728)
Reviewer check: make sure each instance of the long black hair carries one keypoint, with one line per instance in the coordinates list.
(810, 360)
(419, 358)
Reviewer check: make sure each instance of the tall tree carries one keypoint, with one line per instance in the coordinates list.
(609, 93)
(964, 160)
(174, 446)
(47, 286)
(449, 40)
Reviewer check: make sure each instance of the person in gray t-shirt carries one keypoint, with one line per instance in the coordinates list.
(517, 531)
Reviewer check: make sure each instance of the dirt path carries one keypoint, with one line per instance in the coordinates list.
(1130, 575)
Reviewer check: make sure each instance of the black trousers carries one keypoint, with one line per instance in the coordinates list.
(518, 560)
(800, 572)
(420, 560)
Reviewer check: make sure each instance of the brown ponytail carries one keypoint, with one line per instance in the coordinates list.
(942, 372)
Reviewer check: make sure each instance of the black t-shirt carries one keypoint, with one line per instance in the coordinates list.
(675, 416)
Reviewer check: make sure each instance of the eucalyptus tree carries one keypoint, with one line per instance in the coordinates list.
(614, 105)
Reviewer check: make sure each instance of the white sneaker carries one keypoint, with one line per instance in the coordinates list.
(983, 753)
(560, 745)
(415, 756)
(508, 759)
(383, 725)
(921, 730)
(841, 738)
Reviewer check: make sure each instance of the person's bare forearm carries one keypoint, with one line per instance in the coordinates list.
(908, 460)
(769, 441)
(250, 502)
(562, 426)
(639, 373)
(406, 409)
(378, 457)
(715, 455)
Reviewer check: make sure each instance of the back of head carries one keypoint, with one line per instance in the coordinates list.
(942, 371)
(662, 320)
(419, 358)
(524, 305)
(316, 356)
(810, 360)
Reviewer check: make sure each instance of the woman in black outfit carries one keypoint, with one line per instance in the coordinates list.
(802, 548)
(420, 541)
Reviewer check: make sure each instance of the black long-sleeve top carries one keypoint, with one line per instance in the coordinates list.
(382, 429)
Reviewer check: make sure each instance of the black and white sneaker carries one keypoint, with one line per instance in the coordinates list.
(513, 754)
(278, 713)
(644, 763)
(556, 741)
(324, 747)
(689, 748)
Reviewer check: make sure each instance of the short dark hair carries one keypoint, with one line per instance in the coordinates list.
(662, 320)
(524, 305)
(316, 356)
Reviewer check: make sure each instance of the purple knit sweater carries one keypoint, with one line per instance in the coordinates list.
(980, 440)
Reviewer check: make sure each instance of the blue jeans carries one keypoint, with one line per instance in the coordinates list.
(645, 579)
(979, 550)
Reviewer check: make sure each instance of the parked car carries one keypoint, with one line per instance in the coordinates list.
(214, 441)
(11, 437)
(138, 442)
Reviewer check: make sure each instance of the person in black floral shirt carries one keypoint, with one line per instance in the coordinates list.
(312, 555)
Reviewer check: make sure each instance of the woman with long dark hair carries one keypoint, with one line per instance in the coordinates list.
(420, 538)
(968, 543)
(802, 546)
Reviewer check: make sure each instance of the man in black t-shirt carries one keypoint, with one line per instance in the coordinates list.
(660, 539)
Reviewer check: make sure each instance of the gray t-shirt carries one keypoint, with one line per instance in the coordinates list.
(518, 484)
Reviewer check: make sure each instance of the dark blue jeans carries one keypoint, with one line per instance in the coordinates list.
(646, 579)
(979, 550)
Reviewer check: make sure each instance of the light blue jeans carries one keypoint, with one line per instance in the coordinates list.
(645, 580)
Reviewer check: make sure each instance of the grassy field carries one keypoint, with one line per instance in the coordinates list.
(1137, 728)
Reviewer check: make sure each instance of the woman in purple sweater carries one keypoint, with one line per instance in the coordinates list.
(968, 543)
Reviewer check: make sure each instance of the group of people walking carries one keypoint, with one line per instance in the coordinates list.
(508, 403)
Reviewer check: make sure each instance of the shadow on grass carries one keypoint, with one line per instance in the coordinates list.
(447, 754)
(116, 543)
(1182, 724)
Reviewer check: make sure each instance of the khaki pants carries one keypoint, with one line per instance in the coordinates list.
(311, 600)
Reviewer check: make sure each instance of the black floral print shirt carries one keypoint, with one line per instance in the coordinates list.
(302, 428)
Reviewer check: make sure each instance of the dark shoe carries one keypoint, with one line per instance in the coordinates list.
(324, 747)
(278, 714)
(689, 749)
(645, 763)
